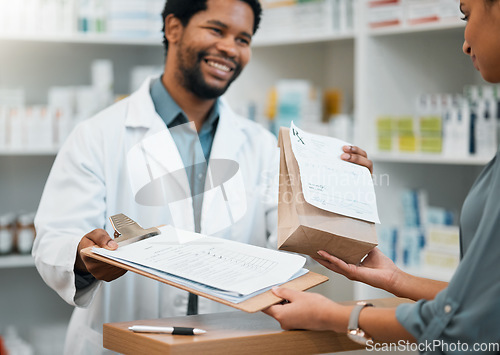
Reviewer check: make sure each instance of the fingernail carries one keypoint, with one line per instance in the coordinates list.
(345, 156)
(112, 244)
(320, 253)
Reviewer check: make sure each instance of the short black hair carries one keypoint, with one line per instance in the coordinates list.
(185, 9)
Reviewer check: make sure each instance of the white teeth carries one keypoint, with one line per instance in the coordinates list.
(219, 66)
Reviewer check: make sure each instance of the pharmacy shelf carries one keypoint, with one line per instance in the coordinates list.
(260, 41)
(82, 38)
(426, 159)
(16, 261)
(28, 152)
(424, 27)
(268, 41)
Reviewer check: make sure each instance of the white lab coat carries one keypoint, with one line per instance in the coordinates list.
(90, 181)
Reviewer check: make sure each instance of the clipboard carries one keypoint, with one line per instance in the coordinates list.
(252, 305)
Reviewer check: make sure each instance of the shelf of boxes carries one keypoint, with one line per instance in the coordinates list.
(427, 159)
(16, 261)
(437, 26)
(83, 38)
(28, 152)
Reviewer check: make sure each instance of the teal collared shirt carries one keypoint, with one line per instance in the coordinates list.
(194, 147)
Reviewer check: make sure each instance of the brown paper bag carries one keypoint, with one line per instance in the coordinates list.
(304, 228)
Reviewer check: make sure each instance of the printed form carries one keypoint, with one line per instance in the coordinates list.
(238, 268)
(330, 183)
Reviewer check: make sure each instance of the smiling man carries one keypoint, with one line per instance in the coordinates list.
(176, 124)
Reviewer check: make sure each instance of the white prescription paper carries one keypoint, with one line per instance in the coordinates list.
(330, 183)
(226, 265)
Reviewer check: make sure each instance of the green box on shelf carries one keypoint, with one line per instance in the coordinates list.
(384, 142)
(431, 134)
(385, 124)
(385, 132)
(405, 126)
(431, 124)
(431, 144)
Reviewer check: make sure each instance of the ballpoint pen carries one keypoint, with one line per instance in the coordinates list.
(168, 330)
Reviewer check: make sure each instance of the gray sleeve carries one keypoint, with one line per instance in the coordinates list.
(468, 310)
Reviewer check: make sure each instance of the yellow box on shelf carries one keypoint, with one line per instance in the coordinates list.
(431, 134)
(385, 133)
(431, 144)
(440, 261)
(407, 140)
(443, 238)
(405, 125)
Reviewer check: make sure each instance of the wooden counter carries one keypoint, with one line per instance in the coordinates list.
(229, 333)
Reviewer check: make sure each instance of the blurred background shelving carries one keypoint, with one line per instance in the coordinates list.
(379, 71)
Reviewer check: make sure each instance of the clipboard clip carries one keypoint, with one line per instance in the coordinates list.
(128, 231)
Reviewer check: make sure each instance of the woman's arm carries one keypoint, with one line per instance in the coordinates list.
(313, 311)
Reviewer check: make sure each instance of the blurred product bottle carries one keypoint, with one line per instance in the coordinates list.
(272, 109)
(15, 345)
(7, 233)
(340, 124)
(25, 235)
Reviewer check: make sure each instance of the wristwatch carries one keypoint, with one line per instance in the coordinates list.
(353, 331)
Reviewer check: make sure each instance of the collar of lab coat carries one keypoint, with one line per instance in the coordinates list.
(229, 137)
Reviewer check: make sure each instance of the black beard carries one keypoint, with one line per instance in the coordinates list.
(192, 78)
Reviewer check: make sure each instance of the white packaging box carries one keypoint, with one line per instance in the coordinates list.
(137, 27)
(421, 11)
(49, 20)
(63, 125)
(32, 18)
(3, 16)
(382, 13)
(343, 15)
(3, 127)
(276, 22)
(67, 10)
(156, 19)
(130, 18)
(17, 132)
(449, 10)
(13, 16)
(315, 17)
(39, 128)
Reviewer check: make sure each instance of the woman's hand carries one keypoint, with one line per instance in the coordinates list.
(376, 269)
(356, 155)
(307, 311)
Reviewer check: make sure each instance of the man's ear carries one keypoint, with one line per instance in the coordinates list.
(173, 29)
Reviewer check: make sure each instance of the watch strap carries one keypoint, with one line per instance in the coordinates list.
(354, 317)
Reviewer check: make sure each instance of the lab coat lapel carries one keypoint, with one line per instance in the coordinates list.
(224, 201)
(156, 169)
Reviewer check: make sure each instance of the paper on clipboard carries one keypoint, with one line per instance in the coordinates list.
(226, 265)
(251, 302)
